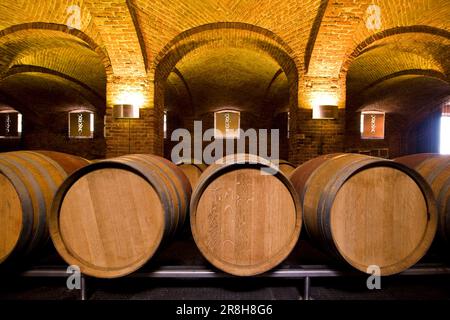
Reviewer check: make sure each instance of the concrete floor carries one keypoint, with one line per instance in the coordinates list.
(184, 252)
(406, 288)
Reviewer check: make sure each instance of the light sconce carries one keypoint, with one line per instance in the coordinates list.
(325, 112)
(125, 111)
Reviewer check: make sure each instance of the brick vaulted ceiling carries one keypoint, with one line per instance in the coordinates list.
(233, 78)
(327, 44)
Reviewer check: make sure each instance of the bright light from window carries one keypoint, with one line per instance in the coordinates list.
(445, 135)
(19, 123)
(92, 123)
(165, 124)
(361, 125)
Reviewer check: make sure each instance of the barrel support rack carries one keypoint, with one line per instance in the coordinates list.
(303, 272)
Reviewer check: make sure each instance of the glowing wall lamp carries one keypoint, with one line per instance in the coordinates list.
(128, 105)
(325, 112)
(125, 111)
(325, 105)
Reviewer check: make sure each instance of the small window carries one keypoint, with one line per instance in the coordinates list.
(165, 124)
(227, 124)
(81, 124)
(372, 125)
(10, 124)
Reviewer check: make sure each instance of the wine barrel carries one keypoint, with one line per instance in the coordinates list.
(110, 217)
(69, 163)
(435, 169)
(28, 182)
(286, 167)
(244, 220)
(367, 211)
(192, 170)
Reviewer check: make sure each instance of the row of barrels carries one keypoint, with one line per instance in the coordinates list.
(246, 215)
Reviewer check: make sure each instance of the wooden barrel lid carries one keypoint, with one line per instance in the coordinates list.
(10, 218)
(110, 222)
(380, 217)
(367, 211)
(244, 222)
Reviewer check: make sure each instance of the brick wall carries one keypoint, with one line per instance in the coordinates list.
(248, 121)
(143, 135)
(311, 138)
(395, 135)
(314, 41)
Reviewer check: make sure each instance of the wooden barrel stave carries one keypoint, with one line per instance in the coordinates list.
(192, 169)
(68, 164)
(160, 183)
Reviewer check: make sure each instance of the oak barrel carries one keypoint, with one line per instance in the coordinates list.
(28, 182)
(367, 211)
(435, 168)
(286, 167)
(192, 170)
(244, 220)
(110, 217)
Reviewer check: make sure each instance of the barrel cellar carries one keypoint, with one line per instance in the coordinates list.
(225, 150)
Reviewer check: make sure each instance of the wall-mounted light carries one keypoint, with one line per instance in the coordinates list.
(125, 111)
(131, 96)
(325, 112)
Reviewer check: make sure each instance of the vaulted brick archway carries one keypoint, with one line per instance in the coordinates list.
(229, 43)
(402, 71)
(47, 70)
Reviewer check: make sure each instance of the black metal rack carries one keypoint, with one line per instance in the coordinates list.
(298, 272)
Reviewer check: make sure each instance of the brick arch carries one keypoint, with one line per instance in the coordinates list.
(222, 35)
(91, 95)
(227, 32)
(429, 73)
(226, 35)
(93, 45)
(362, 46)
